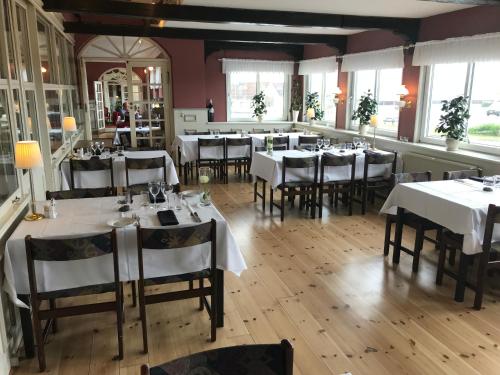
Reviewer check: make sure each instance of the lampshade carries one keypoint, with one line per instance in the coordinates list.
(69, 124)
(337, 90)
(28, 155)
(310, 113)
(403, 91)
(374, 121)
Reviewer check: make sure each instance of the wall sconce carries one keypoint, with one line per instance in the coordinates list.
(43, 69)
(337, 98)
(403, 93)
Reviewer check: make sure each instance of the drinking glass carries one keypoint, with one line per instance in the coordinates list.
(101, 147)
(280, 131)
(106, 152)
(326, 142)
(119, 149)
(319, 143)
(154, 189)
(488, 183)
(497, 181)
(92, 147)
(145, 198)
(166, 189)
(177, 198)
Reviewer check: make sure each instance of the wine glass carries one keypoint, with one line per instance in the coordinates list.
(166, 190)
(154, 189)
(93, 147)
(319, 143)
(326, 142)
(101, 147)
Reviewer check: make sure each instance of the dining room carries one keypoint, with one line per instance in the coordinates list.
(249, 187)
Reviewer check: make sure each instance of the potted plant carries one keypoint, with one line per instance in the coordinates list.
(259, 106)
(452, 121)
(296, 100)
(366, 108)
(312, 102)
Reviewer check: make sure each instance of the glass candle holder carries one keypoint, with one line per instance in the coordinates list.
(205, 179)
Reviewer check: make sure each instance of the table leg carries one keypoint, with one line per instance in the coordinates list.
(27, 328)
(398, 236)
(219, 304)
(462, 276)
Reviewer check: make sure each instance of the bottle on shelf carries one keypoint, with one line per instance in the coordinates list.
(211, 111)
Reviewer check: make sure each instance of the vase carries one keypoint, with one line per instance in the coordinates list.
(363, 129)
(259, 118)
(295, 116)
(452, 144)
(205, 180)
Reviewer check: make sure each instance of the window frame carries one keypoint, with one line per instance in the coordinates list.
(286, 98)
(423, 112)
(322, 97)
(352, 100)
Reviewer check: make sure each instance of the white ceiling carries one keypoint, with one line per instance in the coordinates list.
(388, 8)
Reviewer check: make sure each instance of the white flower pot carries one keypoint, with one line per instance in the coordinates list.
(452, 144)
(363, 129)
(259, 118)
(295, 116)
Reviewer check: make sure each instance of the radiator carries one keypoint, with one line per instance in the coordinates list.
(420, 163)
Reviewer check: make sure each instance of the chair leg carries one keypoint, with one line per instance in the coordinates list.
(142, 309)
(200, 283)
(363, 200)
(213, 309)
(264, 196)
(396, 252)
(336, 196)
(282, 213)
(351, 197)
(52, 305)
(134, 293)
(388, 227)
(462, 276)
(441, 261)
(481, 275)
(37, 326)
(271, 200)
(320, 202)
(313, 203)
(255, 191)
(119, 321)
(419, 244)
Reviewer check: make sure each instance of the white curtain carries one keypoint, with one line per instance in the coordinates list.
(382, 59)
(321, 65)
(261, 66)
(485, 47)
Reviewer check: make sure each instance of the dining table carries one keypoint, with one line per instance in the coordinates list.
(95, 179)
(269, 166)
(80, 217)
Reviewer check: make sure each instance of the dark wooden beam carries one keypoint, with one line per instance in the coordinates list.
(337, 41)
(467, 2)
(294, 50)
(406, 26)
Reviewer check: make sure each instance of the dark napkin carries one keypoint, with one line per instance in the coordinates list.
(167, 218)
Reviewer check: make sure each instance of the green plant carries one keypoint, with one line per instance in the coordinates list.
(259, 105)
(312, 101)
(455, 115)
(296, 96)
(366, 108)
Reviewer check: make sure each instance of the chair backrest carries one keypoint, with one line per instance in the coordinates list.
(309, 139)
(189, 131)
(211, 142)
(275, 148)
(125, 139)
(276, 359)
(260, 131)
(283, 140)
(69, 249)
(228, 132)
(238, 142)
(330, 160)
(81, 193)
(144, 164)
(376, 158)
(492, 218)
(401, 178)
(91, 165)
(236, 131)
(301, 163)
(466, 173)
(177, 238)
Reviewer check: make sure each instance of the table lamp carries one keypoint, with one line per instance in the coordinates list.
(310, 114)
(28, 156)
(69, 126)
(374, 125)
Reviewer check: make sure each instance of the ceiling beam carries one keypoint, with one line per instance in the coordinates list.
(467, 2)
(337, 41)
(405, 26)
(294, 50)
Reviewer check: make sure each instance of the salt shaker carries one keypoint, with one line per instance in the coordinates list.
(52, 209)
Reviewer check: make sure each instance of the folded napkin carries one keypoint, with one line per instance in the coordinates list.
(167, 218)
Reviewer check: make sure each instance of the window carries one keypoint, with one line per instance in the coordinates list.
(8, 177)
(44, 50)
(242, 86)
(480, 82)
(325, 84)
(54, 119)
(24, 48)
(8, 35)
(384, 85)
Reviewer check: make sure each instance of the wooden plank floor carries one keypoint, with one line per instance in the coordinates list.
(322, 284)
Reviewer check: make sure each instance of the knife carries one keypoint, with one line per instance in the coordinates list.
(194, 214)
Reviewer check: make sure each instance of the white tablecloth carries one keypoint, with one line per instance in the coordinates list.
(89, 216)
(188, 145)
(459, 205)
(95, 179)
(269, 167)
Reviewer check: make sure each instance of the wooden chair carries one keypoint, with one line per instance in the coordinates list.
(269, 359)
(282, 140)
(334, 187)
(488, 258)
(373, 185)
(81, 193)
(260, 131)
(125, 140)
(258, 179)
(216, 163)
(309, 140)
(466, 173)
(195, 132)
(144, 164)
(71, 249)
(238, 160)
(419, 224)
(166, 239)
(305, 188)
(227, 132)
(91, 165)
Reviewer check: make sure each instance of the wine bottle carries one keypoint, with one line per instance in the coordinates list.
(211, 111)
